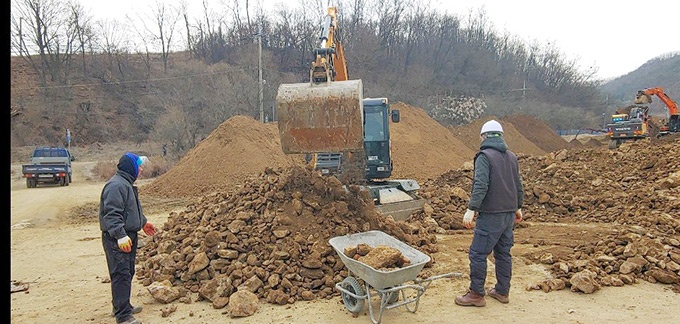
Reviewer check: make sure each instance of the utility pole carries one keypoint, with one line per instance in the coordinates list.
(259, 72)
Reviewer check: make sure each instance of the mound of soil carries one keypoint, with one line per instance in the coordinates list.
(469, 134)
(537, 132)
(238, 149)
(271, 238)
(422, 148)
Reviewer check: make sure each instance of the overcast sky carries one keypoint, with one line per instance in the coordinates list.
(616, 37)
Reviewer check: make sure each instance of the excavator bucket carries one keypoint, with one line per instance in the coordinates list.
(641, 99)
(326, 117)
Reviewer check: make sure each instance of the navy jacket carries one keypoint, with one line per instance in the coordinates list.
(120, 211)
(497, 184)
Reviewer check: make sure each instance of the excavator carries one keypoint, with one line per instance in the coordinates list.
(328, 119)
(673, 124)
(628, 124)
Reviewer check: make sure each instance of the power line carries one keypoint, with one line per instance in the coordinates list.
(152, 80)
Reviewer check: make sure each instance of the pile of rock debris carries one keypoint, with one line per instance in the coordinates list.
(270, 238)
(635, 188)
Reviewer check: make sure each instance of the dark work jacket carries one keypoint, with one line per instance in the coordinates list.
(497, 184)
(119, 209)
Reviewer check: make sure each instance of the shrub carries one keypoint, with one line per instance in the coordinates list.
(156, 166)
(104, 170)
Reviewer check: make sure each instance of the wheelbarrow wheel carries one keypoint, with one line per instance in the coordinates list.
(354, 305)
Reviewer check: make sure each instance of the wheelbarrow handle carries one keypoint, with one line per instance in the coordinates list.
(441, 276)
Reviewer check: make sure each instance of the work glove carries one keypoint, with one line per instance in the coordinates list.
(149, 229)
(518, 215)
(125, 244)
(467, 218)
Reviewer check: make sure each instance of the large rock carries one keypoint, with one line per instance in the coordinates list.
(242, 303)
(164, 292)
(584, 281)
(217, 287)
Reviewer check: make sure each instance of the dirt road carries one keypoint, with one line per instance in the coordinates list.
(56, 250)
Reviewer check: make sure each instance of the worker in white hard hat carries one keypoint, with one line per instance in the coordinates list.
(496, 198)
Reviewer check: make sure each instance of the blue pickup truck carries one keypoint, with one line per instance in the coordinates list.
(50, 165)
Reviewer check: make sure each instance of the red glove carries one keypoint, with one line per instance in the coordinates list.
(518, 216)
(149, 229)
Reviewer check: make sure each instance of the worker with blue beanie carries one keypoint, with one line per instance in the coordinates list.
(120, 218)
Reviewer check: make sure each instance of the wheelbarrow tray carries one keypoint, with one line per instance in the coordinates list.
(380, 279)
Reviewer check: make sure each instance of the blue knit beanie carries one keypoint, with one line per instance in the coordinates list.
(130, 163)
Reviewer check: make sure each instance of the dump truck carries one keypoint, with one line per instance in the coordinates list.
(329, 116)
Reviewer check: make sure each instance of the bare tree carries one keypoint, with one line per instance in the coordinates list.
(166, 21)
(165, 18)
(45, 28)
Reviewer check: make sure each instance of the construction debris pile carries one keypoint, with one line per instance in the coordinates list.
(270, 238)
(268, 232)
(636, 187)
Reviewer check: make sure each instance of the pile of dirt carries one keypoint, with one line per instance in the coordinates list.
(537, 132)
(270, 238)
(469, 134)
(635, 185)
(422, 148)
(635, 188)
(240, 148)
(593, 143)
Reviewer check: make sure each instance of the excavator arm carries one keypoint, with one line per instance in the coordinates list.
(645, 96)
(329, 59)
(326, 114)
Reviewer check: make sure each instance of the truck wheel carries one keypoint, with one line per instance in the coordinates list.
(30, 183)
(613, 144)
(62, 181)
(67, 180)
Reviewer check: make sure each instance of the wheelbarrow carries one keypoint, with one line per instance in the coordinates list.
(388, 284)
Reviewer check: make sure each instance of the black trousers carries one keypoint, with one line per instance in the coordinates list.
(493, 233)
(121, 271)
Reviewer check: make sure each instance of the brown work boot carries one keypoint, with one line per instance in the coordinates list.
(501, 298)
(131, 320)
(135, 310)
(471, 298)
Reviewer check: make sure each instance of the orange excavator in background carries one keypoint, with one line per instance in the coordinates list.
(673, 123)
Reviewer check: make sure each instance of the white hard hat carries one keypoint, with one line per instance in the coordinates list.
(492, 126)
